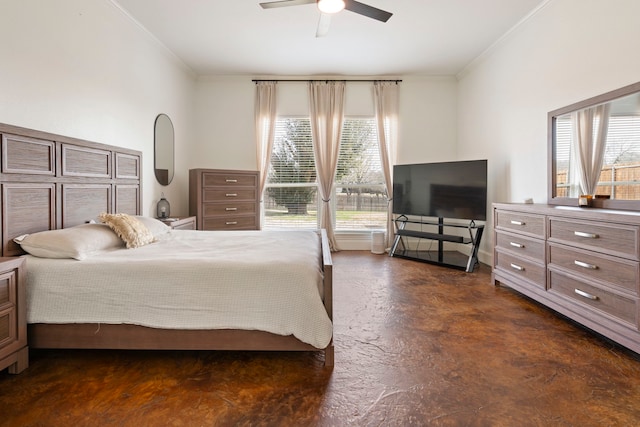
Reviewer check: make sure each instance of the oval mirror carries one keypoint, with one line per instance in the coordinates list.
(163, 149)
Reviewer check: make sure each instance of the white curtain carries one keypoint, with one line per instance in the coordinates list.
(326, 102)
(386, 104)
(590, 128)
(265, 117)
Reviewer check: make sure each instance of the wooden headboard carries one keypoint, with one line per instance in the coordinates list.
(51, 181)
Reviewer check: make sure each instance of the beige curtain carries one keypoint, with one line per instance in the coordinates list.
(386, 104)
(590, 128)
(326, 102)
(265, 117)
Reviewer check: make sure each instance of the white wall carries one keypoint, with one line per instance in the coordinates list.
(568, 51)
(428, 119)
(82, 68)
(224, 136)
(224, 124)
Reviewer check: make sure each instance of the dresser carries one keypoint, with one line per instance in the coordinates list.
(14, 353)
(224, 199)
(581, 262)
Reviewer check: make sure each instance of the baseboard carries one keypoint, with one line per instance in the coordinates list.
(354, 241)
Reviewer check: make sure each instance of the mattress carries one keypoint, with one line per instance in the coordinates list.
(253, 280)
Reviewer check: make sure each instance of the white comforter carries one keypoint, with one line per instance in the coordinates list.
(255, 280)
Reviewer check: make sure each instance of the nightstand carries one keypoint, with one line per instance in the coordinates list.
(180, 223)
(14, 353)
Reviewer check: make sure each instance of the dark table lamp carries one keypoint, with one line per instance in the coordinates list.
(163, 208)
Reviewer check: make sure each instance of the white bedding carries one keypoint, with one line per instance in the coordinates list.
(255, 280)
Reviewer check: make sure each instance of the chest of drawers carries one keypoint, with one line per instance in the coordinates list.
(14, 353)
(224, 199)
(581, 262)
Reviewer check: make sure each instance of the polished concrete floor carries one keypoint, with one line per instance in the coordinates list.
(415, 345)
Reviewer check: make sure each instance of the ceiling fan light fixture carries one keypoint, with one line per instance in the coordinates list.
(330, 6)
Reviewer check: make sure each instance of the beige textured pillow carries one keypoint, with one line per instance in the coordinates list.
(132, 231)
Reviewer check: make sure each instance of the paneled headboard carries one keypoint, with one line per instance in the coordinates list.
(51, 181)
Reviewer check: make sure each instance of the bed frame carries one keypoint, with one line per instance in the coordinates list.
(50, 181)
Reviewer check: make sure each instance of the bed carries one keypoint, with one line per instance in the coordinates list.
(51, 182)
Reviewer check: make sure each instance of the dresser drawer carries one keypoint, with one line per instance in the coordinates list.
(229, 208)
(230, 179)
(231, 223)
(593, 266)
(8, 313)
(530, 224)
(521, 245)
(620, 240)
(521, 267)
(7, 292)
(7, 327)
(621, 308)
(224, 194)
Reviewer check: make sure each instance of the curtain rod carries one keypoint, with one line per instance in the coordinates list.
(321, 80)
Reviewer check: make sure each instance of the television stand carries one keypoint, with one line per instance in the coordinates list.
(452, 259)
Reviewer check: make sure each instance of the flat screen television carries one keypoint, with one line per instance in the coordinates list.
(456, 190)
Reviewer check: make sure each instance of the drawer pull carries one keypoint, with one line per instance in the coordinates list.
(230, 209)
(231, 195)
(587, 235)
(231, 223)
(514, 222)
(517, 267)
(585, 265)
(231, 180)
(516, 245)
(585, 294)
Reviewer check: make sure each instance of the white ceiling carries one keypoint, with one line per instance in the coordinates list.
(426, 37)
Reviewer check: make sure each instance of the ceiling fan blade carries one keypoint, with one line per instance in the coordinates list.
(285, 3)
(323, 25)
(366, 10)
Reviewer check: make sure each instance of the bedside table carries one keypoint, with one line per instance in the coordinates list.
(180, 223)
(14, 353)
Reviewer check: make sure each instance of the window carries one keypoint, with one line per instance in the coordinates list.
(291, 193)
(620, 170)
(360, 196)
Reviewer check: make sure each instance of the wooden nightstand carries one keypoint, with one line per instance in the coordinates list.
(181, 223)
(14, 352)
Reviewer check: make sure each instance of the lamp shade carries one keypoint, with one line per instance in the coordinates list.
(163, 208)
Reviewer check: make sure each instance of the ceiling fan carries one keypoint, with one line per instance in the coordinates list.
(329, 7)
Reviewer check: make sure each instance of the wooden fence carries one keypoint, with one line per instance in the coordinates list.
(620, 182)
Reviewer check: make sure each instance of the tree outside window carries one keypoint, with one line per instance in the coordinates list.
(359, 200)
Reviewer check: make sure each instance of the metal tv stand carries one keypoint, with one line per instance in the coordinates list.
(447, 258)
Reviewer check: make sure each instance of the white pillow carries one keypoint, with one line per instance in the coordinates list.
(157, 228)
(77, 242)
